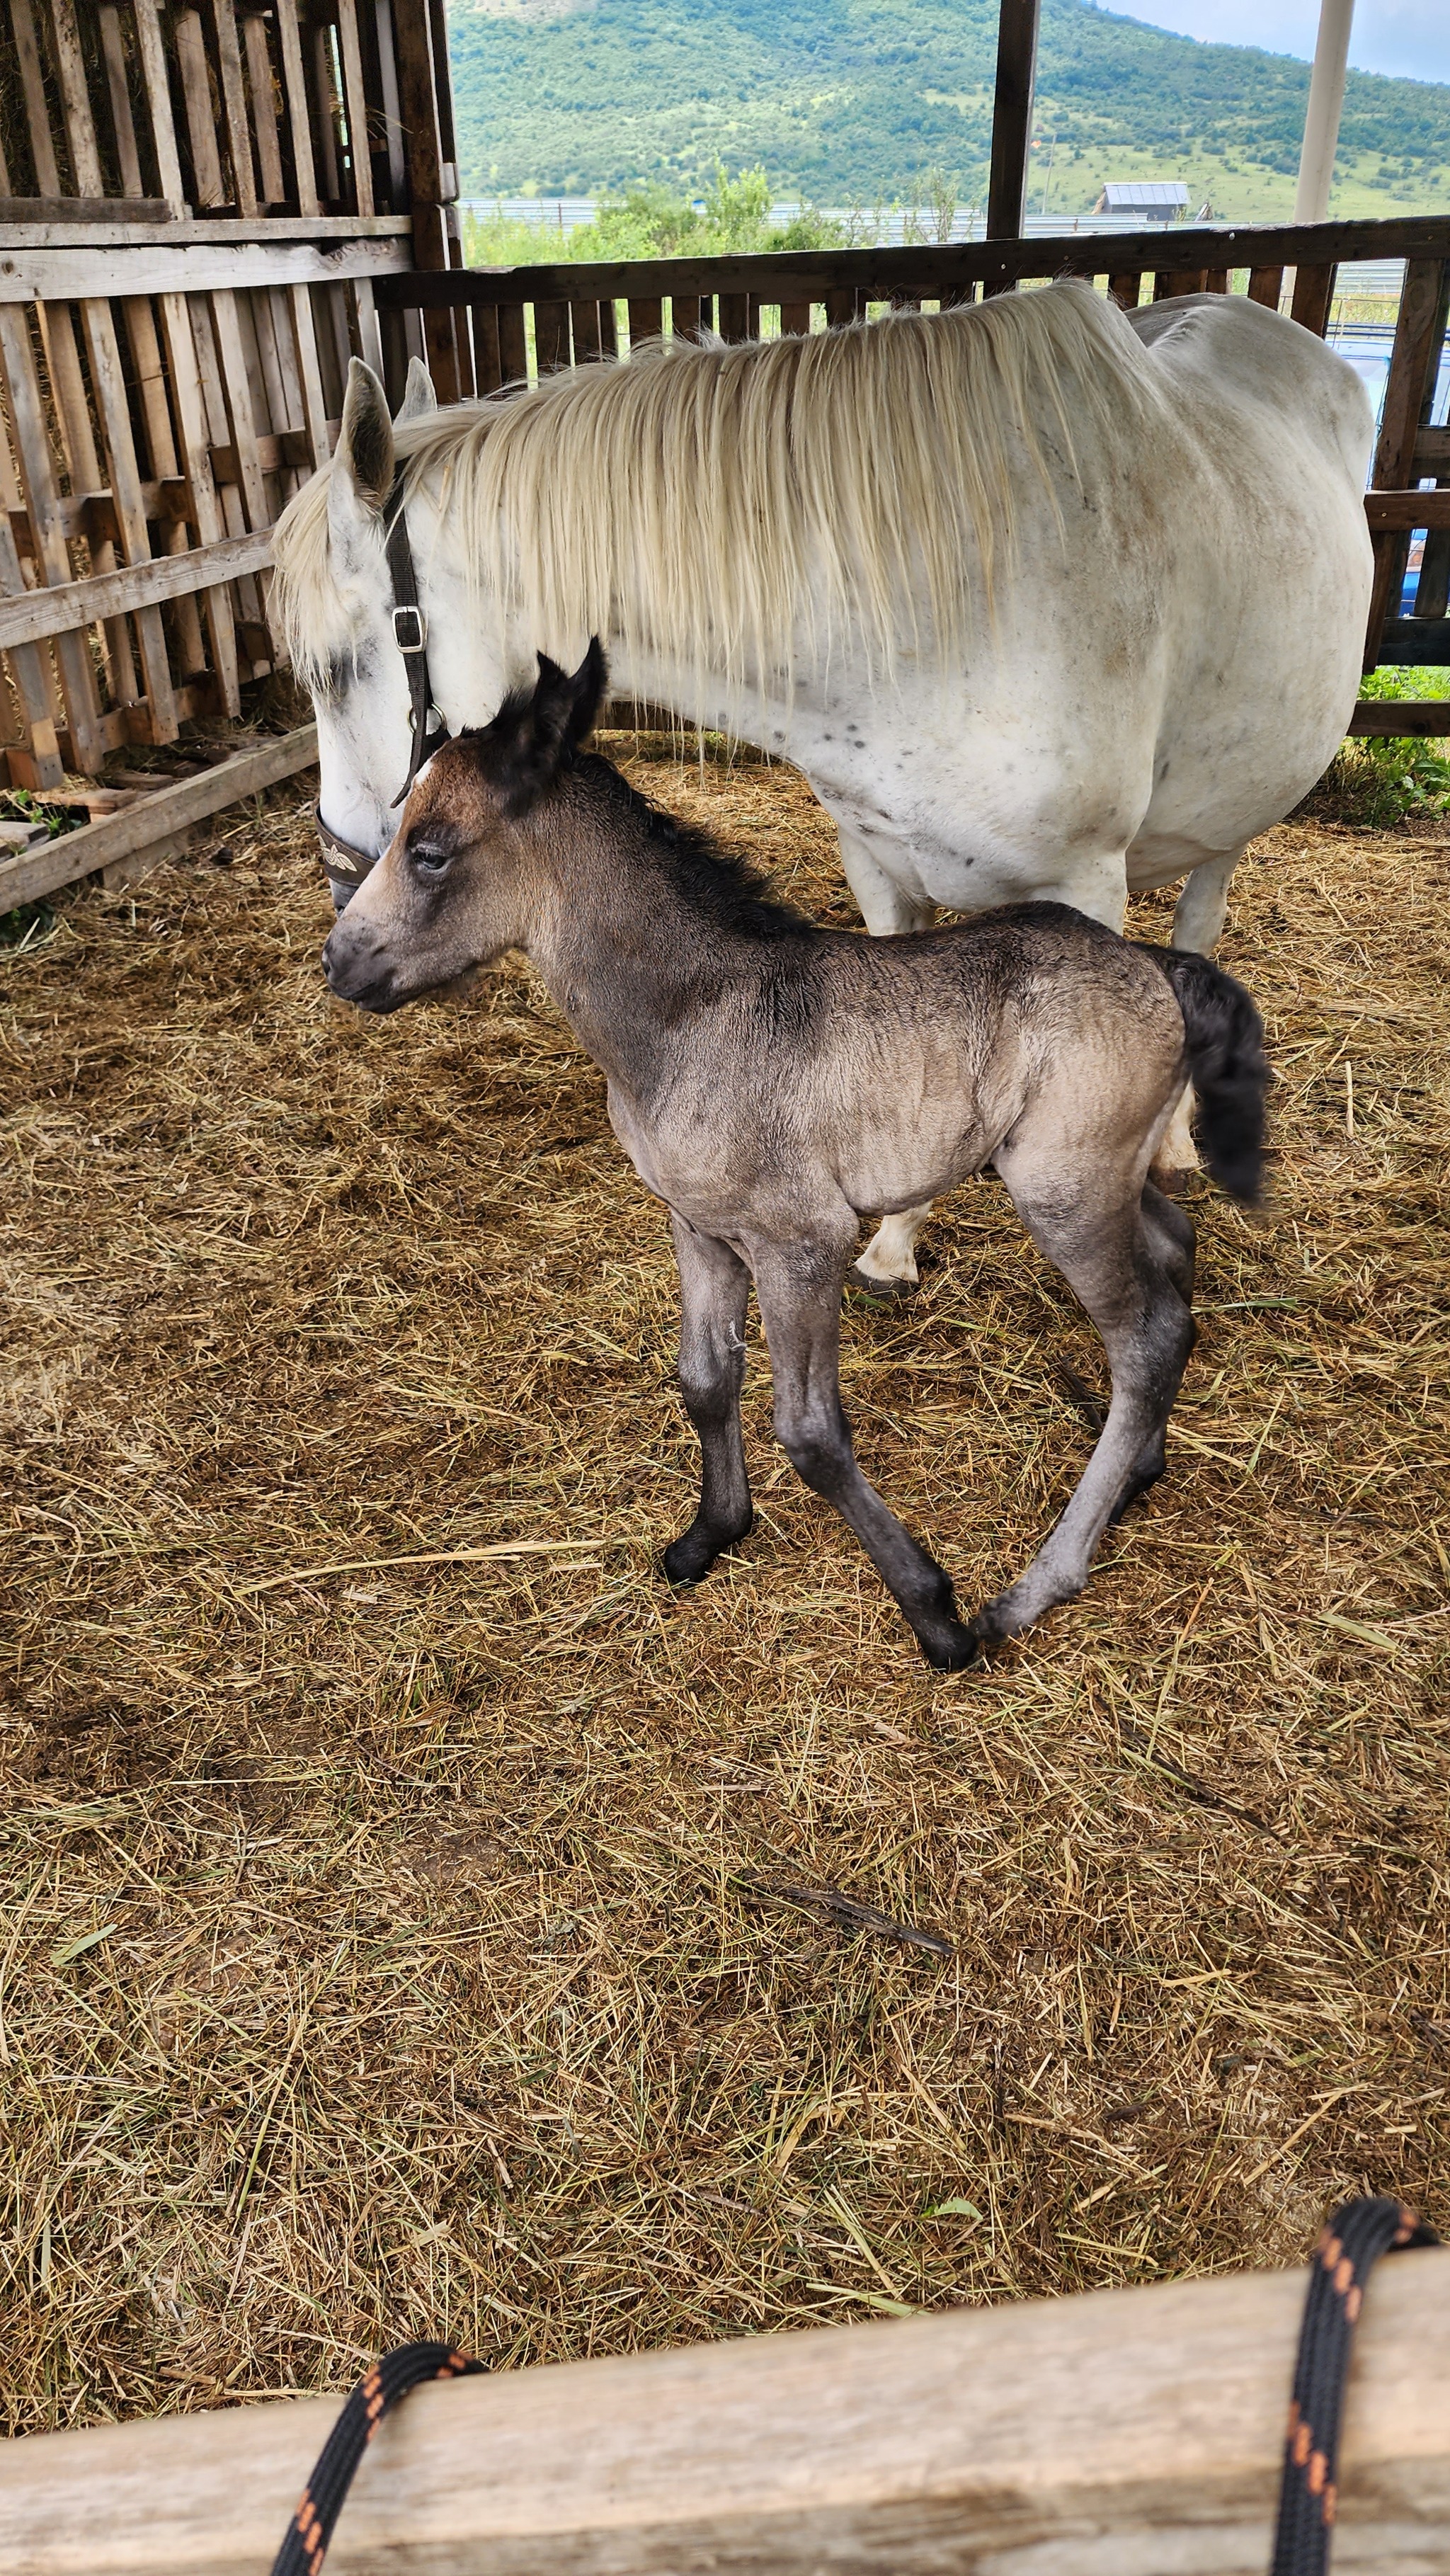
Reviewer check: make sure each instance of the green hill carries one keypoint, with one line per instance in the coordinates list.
(854, 101)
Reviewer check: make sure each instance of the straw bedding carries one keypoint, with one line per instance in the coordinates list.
(387, 1949)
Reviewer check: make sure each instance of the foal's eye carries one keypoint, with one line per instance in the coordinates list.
(430, 863)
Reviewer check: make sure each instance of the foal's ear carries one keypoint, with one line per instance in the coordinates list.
(547, 729)
(362, 468)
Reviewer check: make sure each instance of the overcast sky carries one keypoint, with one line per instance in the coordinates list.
(1411, 37)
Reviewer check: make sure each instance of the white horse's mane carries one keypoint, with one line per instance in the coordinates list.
(718, 505)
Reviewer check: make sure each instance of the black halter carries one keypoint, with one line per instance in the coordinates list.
(346, 866)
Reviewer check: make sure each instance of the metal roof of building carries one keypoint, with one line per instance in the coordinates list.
(1123, 196)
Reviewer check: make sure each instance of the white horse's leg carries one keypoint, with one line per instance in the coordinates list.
(888, 1265)
(1202, 907)
(1198, 919)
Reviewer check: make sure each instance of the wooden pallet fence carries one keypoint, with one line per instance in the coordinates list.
(1133, 2429)
(195, 205)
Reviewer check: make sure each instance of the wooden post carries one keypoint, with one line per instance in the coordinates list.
(1419, 338)
(1326, 102)
(1012, 118)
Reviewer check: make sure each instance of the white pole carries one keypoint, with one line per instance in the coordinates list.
(1326, 100)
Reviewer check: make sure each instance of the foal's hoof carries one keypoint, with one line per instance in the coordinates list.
(949, 1650)
(883, 1292)
(691, 1556)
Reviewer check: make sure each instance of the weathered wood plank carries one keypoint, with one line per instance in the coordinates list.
(234, 96)
(116, 223)
(294, 82)
(123, 122)
(35, 615)
(162, 265)
(188, 37)
(150, 45)
(1419, 331)
(1130, 2430)
(355, 95)
(152, 826)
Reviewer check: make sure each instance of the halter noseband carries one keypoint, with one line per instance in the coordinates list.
(347, 866)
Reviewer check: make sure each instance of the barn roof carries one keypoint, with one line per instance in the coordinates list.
(1143, 196)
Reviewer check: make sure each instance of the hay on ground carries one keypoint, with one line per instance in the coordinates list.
(392, 1950)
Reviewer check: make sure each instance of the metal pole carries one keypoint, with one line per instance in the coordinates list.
(1012, 118)
(1326, 100)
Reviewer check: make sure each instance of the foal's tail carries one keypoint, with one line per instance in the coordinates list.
(1228, 1065)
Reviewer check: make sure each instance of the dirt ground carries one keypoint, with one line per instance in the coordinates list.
(387, 1946)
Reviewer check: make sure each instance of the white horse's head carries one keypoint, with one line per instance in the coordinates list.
(336, 600)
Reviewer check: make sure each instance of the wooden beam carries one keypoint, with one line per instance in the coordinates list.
(99, 224)
(1136, 2429)
(59, 610)
(148, 830)
(929, 269)
(1408, 509)
(1012, 117)
(1429, 716)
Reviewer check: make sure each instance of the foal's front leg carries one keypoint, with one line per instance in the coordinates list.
(799, 1288)
(714, 1289)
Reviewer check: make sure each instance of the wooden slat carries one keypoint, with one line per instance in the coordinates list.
(646, 318)
(56, 324)
(1180, 281)
(487, 362)
(189, 39)
(355, 95)
(34, 456)
(317, 55)
(263, 96)
(1126, 290)
(152, 51)
(160, 267)
(36, 762)
(685, 316)
(795, 319)
(392, 103)
(1419, 333)
(1313, 296)
(1432, 452)
(151, 829)
(1266, 285)
(237, 381)
(35, 615)
(512, 345)
(234, 100)
(734, 316)
(584, 325)
(148, 369)
(123, 122)
(32, 82)
(551, 337)
(1216, 281)
(194, 436)
(309, 374)
(80, 126)
(294, 82)
(1416, 641)
(108, 381)
(1122, 2433)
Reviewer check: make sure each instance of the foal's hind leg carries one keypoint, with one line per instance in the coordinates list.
(1118, 1263)
(799, 1288)
(714, 1290)
(1173, 1242)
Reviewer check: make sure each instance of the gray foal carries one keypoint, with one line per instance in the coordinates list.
(773, 1082)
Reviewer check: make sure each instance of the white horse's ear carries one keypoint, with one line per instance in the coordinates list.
(419, 399)
(362, 468)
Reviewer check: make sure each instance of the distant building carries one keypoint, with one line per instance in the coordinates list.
(1162, 201)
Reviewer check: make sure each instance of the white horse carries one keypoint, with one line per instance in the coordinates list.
(1043, 599)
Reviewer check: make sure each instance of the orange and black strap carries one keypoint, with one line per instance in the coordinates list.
(1344, 2257)
(321, 2500)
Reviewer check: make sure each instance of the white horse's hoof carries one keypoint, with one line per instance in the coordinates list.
(886, 1292)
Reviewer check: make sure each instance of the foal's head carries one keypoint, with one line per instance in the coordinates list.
(451, 892)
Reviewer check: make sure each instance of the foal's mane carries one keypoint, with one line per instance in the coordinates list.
(717, 883)
(728, 508)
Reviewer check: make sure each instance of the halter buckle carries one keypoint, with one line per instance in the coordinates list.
(410, 630)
